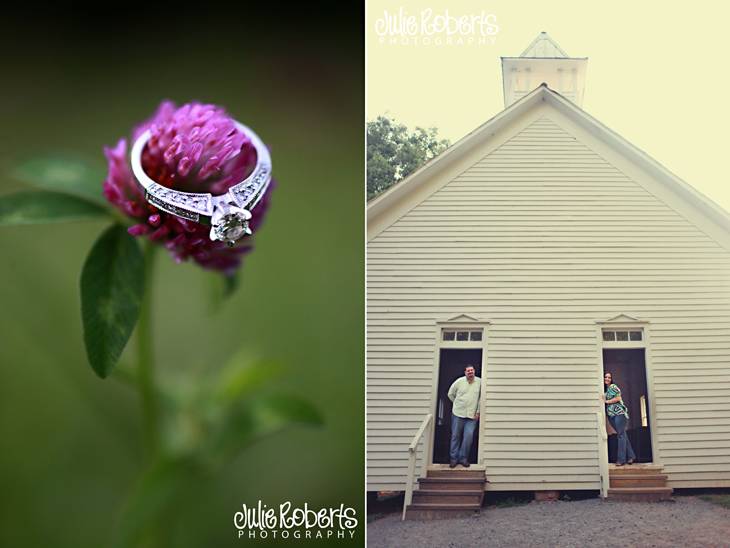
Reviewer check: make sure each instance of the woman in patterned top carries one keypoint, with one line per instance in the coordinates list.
(618, 416)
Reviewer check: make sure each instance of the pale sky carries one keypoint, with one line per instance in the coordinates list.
(657, 74)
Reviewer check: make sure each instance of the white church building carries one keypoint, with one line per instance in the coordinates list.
(545, 249)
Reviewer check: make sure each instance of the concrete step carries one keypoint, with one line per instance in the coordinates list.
(452, 484)
(440, 511)
(441, 496)
(639, 494)
(638, 480)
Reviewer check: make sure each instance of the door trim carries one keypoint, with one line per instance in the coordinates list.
(623, 321)
(466, 322)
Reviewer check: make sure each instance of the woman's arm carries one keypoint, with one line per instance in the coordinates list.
(617, 398)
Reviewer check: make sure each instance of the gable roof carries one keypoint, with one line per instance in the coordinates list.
(399, 191)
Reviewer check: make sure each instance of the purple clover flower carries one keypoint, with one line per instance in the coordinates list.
(194, 148)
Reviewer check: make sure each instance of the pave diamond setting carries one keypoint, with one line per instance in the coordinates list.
(188, 205)
(249, 190)
(230, 223)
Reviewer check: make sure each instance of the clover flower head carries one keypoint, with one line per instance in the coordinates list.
(194, 148)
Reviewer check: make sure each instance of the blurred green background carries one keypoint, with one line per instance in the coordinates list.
(71, 443)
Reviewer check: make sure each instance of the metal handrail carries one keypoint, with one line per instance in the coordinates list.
(412, 461)
(603, 452)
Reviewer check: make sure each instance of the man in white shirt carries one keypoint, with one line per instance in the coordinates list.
(464, 393)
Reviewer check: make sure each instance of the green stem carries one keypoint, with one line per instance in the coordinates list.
(145, 371)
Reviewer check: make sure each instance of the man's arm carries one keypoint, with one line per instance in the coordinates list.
(452, 391)
(479, 401)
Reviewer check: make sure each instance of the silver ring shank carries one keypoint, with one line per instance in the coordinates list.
(199, 206)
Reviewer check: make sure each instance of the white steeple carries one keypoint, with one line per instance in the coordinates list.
(544, 61)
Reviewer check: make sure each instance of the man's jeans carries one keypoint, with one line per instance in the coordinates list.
(624, 445)
(462, 434)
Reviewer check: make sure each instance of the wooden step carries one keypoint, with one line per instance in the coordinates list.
(442, 506)
(428, 511)
(638, 480)
(457, 472)
(451, 484)
(442, 496)
(639, 494)
(633, 469)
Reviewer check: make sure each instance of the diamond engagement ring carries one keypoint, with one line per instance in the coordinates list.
(229, 213)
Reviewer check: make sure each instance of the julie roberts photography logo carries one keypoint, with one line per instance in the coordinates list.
(262, 522)
(436, 28)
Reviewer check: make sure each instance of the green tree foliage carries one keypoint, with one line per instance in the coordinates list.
(394, 152)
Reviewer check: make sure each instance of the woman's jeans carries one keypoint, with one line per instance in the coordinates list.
(624, 445)
(462, 434)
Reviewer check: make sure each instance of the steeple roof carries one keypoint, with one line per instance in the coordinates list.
(544, 47)
(544, 61)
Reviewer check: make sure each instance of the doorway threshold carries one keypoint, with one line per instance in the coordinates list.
(636, 466)
(446, 467)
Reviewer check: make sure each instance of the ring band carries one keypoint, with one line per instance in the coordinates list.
(228, 213)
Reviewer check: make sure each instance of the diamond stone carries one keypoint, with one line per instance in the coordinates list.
(230, 223)
(232, 227)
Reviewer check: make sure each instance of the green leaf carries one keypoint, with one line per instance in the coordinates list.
(34, 207)
(254, 420)
(66, 174)
(279, 410)
(242, 376)
(112, 284)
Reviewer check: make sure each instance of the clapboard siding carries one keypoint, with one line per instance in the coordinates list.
(543, 236)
